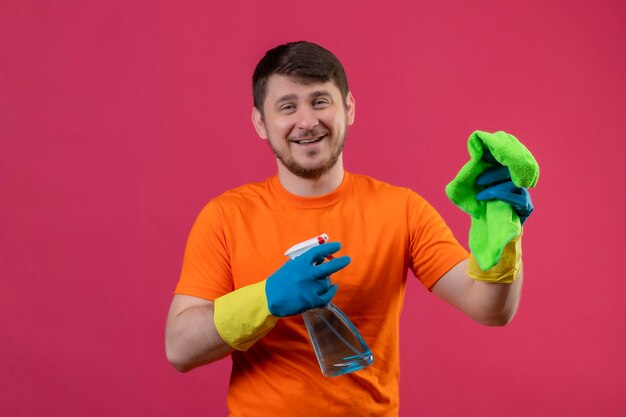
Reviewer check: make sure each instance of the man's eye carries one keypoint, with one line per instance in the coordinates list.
(287, 107)
(320, 102)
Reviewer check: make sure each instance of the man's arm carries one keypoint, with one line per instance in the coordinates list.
(489, 303)
(491, 297)
(199, 331)
(191, 338)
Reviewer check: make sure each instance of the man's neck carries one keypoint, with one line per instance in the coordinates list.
(311, 187)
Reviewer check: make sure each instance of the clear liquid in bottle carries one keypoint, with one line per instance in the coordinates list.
(338, 345)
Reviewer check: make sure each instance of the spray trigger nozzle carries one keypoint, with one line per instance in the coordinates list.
(300, 248)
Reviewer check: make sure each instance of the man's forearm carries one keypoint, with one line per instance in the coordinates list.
(489, 303)
(191, 339)
(494, 304)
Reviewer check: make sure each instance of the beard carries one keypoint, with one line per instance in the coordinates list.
(310, 172)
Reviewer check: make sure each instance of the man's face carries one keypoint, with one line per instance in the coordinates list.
(304, 124)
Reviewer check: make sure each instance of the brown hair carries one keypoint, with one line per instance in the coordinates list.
(305, 61)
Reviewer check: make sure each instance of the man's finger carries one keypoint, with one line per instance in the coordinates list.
(330, 267)
(495, 191)
(507, 192)
(318, 253)
(328, 295)
(493, 176)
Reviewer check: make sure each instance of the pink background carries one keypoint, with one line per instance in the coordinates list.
(120, 120)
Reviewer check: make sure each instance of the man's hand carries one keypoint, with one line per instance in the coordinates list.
(247, 314)
(498, 186)
(303, 283)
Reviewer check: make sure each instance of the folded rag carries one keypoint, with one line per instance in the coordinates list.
(494, 223)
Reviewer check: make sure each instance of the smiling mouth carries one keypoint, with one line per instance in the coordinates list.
(308, 140)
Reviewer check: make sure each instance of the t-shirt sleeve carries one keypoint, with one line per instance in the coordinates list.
(206, 271)
(433, 249)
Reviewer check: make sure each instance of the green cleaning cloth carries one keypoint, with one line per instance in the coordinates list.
(494, 223)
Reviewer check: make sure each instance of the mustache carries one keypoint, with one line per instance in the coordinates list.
(316, 132)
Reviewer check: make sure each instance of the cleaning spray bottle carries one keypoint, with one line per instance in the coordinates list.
(338, 345)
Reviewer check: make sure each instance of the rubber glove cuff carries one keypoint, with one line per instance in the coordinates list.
(506, 271)
(242, 317)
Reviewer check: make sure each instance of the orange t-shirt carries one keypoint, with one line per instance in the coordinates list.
(239, 239)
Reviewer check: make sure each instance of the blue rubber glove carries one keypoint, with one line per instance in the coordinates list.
(498, 186)
(303, 283)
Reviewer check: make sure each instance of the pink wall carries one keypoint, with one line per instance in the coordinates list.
(118, 121)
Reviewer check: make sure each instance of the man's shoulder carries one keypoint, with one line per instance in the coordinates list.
(244, 197)
(245, 194)
(387, 193)
(369, 184)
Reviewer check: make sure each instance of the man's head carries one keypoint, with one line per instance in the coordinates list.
(303, 108)
(303, 61)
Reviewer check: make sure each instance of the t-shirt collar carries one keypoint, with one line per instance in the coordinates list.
(324, 200)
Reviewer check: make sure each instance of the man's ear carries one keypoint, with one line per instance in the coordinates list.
(350, 108)
(259, 123)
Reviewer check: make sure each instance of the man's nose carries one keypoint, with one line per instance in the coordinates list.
(307, 119)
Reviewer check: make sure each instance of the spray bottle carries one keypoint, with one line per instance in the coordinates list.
(338, 345)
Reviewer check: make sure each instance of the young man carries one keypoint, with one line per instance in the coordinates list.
(238, 296)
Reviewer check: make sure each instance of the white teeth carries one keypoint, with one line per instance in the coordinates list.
(304, 141)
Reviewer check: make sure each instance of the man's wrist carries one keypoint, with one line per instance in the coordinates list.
(242, 317)
(504, 272)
